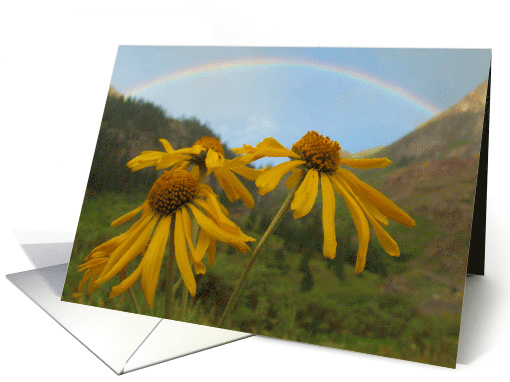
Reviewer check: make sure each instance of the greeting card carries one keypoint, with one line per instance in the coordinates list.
(328, 196)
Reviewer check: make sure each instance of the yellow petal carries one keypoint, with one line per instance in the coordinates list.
(125, 240)
(202, 245)
(181, 255)
(387, 242)
(186, 221)
(145, 159)
(269, 180)
(365, 163)
(211, 252)
(199, 267)
(127, 217)
(120, 260)
(225, 224)
(212, 207)
(241, 192)
(88, 274)
(272, 148)
(167, 146)
(213, 160)
(360, 222)
(294, 178)
(92, 285)
(386, 206)
(305, 195)
(248, 172)
(169, 160)
(277, 153)
(246, 149)
(239, 161)
(328, 217)
(195, 171)
(193, 150)
(224, 184)
(127, 283)
(270, 142)
(216, 232)
(153, 258)
(108, 246)
(374, 211)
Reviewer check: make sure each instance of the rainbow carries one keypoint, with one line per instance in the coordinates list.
(216, 67)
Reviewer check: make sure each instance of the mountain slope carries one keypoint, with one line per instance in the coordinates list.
(456, 132)
(433, 178)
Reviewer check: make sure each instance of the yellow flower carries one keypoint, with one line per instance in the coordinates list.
(167, 206)
(317, 159)
(206, 154)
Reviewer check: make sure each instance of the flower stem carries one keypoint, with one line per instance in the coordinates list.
(133, 300)
(256, 252)
(122, 276)
(184, 302)
(170, 273)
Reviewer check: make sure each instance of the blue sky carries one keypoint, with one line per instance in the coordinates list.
(247, 104)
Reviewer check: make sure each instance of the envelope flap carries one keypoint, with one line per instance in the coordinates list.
(111, 335)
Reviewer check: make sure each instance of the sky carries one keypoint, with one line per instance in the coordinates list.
(362, 98)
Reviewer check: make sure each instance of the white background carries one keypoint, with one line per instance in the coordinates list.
(57, 60)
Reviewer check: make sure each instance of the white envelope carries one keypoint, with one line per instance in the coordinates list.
(123, 341)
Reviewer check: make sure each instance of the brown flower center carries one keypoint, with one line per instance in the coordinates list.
(211, 143)
(171, 191)
(320, 153)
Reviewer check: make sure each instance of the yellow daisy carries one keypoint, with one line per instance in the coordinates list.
(164, 211)
(206, 155)
(313, 159)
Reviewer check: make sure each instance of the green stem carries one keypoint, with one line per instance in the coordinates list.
(133, 300)
(122, 276)
(184, 302)
(256, 252)
(170, 273)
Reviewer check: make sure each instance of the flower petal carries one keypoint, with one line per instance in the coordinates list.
(305, 195)
(126, 283)
(213, 160)
(166, 145)
(170, 159)
(211, 251)
(216, 232)
(294, 178)
(123, 241)
(360, 221)
(145, 159)
(248, 172)
(187, 231)
(387, 242)
(272, 148)
(225, 185)
(386, 206)
(202, 245)
(237, 189)
(181, 255)
(269, 180)
(119, 260)
(127, 217)
(153, 258)
(365, 163)
(328, 217)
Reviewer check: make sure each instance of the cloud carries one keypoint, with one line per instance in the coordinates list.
(257, 127)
